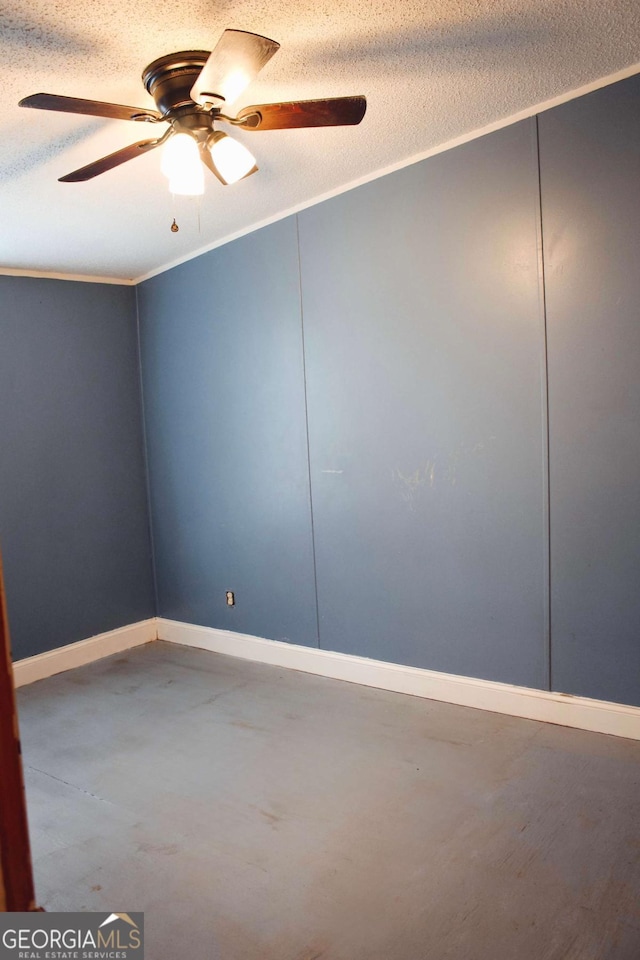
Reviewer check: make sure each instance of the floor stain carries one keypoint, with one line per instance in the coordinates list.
(168, 849)
(244, 725)
(271, 818)
(313, 953)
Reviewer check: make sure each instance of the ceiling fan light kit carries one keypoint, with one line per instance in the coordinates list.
(182, 167)
(190, 89)
(231, 158)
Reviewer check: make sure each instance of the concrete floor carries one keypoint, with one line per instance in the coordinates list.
(259, 814)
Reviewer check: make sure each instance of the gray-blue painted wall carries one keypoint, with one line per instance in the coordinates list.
(414, 343)
(73, 511)
(424, 370)
(590, 177)
(402, 424)
(224, 401)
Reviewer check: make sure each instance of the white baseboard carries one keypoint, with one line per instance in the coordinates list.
(72, 655)
(567, 710)
(599, 716)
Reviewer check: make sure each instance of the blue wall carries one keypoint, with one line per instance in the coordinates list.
(424, 371)
(73, 512)
(225, 411)
(414, 343)
(403, 423)
(590, 176)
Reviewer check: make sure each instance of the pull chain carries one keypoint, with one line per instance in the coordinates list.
(174, 225)
(198, 207)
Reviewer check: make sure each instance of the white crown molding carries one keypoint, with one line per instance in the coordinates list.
(598, 716)
(51, 275)
(77, 654)
(525, 114)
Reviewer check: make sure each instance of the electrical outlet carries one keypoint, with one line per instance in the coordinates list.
(231, 600)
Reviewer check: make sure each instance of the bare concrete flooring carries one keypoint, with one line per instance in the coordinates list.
(260, 814)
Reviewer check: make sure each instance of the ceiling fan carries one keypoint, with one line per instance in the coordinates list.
(190, 89)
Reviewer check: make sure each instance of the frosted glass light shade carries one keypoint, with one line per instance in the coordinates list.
(235, 82)
(182, 165)
(231, 159)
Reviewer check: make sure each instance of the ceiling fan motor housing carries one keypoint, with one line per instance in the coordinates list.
(170, 78)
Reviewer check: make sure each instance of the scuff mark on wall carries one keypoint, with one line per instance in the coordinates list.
(411, 484)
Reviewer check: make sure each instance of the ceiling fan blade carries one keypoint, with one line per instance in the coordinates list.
(237, 59)
(113, 160)
(332, 112)
(92, 108)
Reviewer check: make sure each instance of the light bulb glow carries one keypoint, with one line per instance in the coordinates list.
(231, 158)
(182, 165)
(190, 184)
(235, 82)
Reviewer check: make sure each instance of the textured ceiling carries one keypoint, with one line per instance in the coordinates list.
(431, 72)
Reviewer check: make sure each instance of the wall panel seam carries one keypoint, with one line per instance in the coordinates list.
(542, 299)
(145, 451)
(306, 425)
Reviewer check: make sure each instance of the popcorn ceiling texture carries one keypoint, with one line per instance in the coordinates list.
(430, 72)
